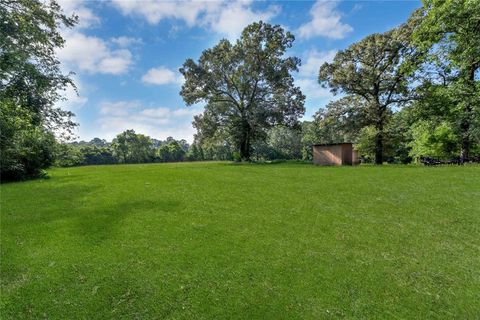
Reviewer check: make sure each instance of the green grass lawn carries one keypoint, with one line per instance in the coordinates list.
(218, 240)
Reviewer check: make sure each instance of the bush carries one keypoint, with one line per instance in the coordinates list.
(432, 140)
(67, 155)
(25, 149)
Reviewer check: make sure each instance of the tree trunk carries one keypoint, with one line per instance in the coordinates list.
(245, 143)
(379, 135)
(465, 124)
(379, 147)
(245, 150)
(465, 145)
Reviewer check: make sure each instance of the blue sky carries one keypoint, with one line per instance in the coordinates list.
(126, 54)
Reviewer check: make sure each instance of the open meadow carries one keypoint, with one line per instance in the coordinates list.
(220, 240)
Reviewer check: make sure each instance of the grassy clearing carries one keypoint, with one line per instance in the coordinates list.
(216, 240)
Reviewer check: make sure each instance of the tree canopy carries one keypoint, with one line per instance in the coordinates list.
(450, 31)
(247, 86)
(29, 69)
(375, 70)
(131, 147)
(31, 85)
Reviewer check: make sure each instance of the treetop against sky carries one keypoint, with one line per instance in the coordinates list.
(126, 55)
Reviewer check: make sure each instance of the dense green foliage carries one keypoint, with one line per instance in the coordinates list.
(127, 147)
(131, 147)
(69, 155)
(450, 30)
(217, 240)
(25, 149)
(376, 72)
(427, 66)
(428, 138)
(30, 86)
(247, 87)
(171, 152)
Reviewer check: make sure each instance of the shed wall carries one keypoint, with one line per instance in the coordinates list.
(335, 154)
(355, 158)
(347, 154)
(327, 155)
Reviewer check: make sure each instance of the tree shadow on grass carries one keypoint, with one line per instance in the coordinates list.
(34, 239)
(44, 204)
(101, 223)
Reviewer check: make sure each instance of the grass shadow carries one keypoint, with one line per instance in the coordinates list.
(101, 222)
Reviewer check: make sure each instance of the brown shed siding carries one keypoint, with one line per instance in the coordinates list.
(333, 154)
(327, 155)
(355, 158)
(347, 154)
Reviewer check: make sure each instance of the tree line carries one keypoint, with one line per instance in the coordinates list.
(126, 147)
(409, 92)
(132, 147)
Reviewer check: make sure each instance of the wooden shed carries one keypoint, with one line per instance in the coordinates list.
(335, 154)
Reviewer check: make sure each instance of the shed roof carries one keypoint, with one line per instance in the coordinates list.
(330, 144)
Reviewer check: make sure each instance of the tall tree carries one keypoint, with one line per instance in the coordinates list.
(341, 120)
(29, 69)
(131, 147)
(286, 142)
(121, 144)
(142, 149)
(450, 29)
(172, 151)
(247, 86)
(375, 70)
(194, 152)
(30, 85)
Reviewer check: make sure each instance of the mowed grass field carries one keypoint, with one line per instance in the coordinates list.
(219, 240)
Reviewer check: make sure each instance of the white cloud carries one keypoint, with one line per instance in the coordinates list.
(92, 54)
(312, 89)
(307, 78)
(313, 60)
(125, 41)
(86, 17)
(326, 22)
(119, 108)
(193, 110)
(155, 11)
(111, 127)
(158, 123)
(75, 99)
(161, 76)
(232, 18)
(115, 62)
(156, 113)
(225, 17)
(89, 53)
